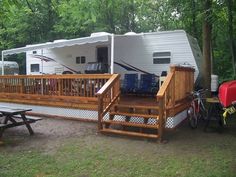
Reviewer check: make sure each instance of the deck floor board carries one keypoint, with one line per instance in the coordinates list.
(138, 100)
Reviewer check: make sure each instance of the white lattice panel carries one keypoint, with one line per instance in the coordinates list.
(57, 111)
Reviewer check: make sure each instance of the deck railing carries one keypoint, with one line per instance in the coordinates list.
(173, 94)
(36, 88)
(107, 96)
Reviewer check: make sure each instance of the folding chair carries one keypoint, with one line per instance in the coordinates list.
(148, 84)
(130, 83)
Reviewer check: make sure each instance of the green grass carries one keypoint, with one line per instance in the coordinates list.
(189, 153)
(98, 156)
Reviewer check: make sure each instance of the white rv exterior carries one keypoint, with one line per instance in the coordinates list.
(155, 52)
(65, 58)
(133, 53)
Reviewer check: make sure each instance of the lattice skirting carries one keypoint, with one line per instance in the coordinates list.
(172, 122)
(93, 115)
(57, 111)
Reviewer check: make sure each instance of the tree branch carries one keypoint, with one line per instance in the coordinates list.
(29, 6)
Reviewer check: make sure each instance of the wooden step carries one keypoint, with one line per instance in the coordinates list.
(135, 115)
(122, 132)
(136, 106)
(131, 124)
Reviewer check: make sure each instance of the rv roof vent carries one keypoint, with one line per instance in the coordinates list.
(59, 40)
(99, 34)
(131, 33)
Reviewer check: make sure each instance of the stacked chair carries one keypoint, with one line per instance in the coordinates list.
(147, 85)
(130, 84)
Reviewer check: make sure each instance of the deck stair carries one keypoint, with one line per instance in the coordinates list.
(133, 120)
(142, 117)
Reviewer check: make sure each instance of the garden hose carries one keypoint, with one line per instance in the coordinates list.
(229, 110)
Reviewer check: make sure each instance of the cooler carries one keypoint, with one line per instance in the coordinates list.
(227, 93)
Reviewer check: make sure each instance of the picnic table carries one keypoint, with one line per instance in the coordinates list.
(13, 117)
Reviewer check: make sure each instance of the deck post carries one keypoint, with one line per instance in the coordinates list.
(173, 87)
(100, 111)
(161, 118)
(2, 63)
(112, 54)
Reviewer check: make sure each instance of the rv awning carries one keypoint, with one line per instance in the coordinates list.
(57, 44)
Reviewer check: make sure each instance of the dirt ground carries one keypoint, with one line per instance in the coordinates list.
(50, 134)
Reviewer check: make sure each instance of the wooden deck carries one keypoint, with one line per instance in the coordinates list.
(101, 92)
(138, 100)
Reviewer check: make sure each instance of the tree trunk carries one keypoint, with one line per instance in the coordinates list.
(207, 28)
(194, 25)
(231, 35)
(132, 17)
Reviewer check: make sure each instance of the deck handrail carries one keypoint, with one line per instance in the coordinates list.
(58, 76)
(70, 89)
(173, 93)
(107, 96)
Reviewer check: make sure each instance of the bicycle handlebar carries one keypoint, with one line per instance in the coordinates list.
(201, 91)
(197, 93)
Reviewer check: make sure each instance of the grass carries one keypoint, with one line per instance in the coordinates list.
(98, 158)
(190, 153)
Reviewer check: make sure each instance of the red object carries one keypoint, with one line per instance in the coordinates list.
(227, 93)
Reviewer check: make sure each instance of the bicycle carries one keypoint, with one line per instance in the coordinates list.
(197, 109)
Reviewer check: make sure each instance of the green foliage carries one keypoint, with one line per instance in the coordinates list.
(35, 21)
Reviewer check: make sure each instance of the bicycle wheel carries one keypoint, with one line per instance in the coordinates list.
(192, 118)
(203, 114)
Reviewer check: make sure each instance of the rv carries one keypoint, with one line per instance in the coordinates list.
(10, 68)
(151, 52)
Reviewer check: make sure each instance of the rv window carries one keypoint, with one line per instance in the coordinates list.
(80, 60)
(161, 57)
(83, 59)
(34, 67)
(161, 54)
(161, 60)
(77, 60)
(34, 52)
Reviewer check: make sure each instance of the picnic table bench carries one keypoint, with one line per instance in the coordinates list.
(12, 117)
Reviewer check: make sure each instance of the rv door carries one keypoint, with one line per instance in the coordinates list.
(102, 56)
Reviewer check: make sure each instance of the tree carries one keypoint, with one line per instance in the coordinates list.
(207, 29)
(230, 5)
(35, 21)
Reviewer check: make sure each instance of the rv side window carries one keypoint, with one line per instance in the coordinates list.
(83, 59)
(34, 52)
(34, 67)
(77, 60)
(161, 57)
(80, 60)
